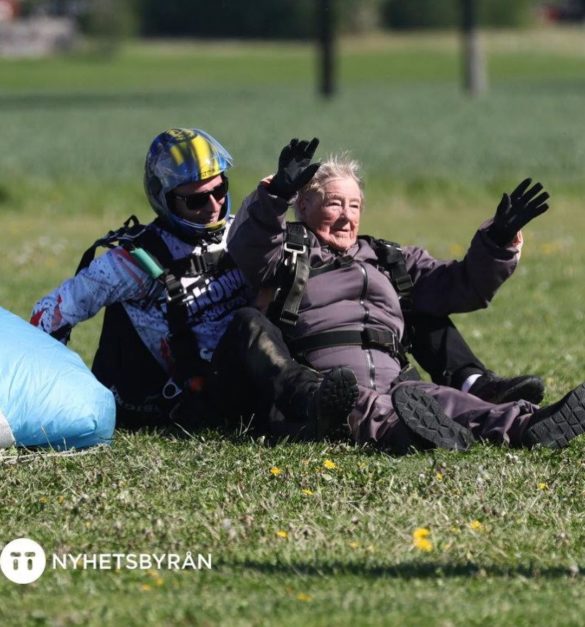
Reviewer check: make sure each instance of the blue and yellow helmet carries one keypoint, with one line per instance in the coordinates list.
(179, 156)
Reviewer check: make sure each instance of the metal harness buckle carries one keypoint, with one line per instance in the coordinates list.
(295, 250)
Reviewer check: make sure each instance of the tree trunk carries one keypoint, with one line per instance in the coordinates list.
(474, 72)
(326, 31)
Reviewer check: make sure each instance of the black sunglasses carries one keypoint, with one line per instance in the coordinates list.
(200, 199)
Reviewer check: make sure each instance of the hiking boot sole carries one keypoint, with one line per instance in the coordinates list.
(337, 396)
(564, 424)
(423, 415)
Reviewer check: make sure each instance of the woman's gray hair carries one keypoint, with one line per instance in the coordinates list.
(339, 166)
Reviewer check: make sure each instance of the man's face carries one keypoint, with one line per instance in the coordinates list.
(204, 208)
(335, 219)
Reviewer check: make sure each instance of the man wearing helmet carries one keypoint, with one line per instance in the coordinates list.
(170, 290)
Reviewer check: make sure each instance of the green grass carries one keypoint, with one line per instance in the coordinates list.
(74, 134)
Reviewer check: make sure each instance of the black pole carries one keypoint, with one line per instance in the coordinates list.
(326, 30)
(474, 76)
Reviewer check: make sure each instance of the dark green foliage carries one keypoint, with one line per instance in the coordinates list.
(416, 14)
(420, 14)
(260, 19)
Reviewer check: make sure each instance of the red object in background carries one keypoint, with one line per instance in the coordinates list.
(552, 14)
(568, 11)
(9, 9)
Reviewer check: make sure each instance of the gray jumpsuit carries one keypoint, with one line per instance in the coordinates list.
(359, 295)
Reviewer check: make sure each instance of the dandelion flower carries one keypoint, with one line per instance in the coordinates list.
(354, 545)
(301, 596)
(329, 464)
(475, 525)
(307, 492)
(281, 533)
(439, 476)
(145, 587)
(275, 470)
(420, 539)
(542, 485)
(421, 532)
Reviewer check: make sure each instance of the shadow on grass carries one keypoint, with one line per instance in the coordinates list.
(409, 570)
(92, 99)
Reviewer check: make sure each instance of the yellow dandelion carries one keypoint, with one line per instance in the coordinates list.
(475, 525)
(301, 596)
(354, 545)
(275, 470)
(60, 499)
(420, 533)
(43, 500)
(307, 492)
(159, 581)
(542, 485)
(439, 476)
(281, 533)
(420, 539)
(145, 587)
(329, 464)
(423, 545)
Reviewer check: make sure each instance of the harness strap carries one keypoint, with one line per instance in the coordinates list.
(293, 276)
(339, 262)
(153, 255)
(183, 344)
(127, 233)
(383, 340)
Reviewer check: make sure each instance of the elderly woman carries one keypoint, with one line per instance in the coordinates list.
(343, 306)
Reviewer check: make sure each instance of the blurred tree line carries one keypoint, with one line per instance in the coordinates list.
(275, 19)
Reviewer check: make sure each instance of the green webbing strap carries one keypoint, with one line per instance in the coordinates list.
(293, 276)
(147, 262)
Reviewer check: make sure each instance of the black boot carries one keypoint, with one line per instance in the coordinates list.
(423, 415)
(493, 389)
(314, 405)
(554, 426)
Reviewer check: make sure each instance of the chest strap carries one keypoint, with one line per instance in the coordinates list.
(382, 340)
(149, 250)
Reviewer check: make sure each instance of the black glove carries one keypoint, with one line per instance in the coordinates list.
(516, 210)
(295, 169)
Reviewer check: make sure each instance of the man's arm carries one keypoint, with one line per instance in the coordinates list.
(113, 277)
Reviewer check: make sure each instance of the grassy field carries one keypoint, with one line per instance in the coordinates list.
(329, 538)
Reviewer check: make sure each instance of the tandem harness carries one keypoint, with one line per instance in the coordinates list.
(153, 256)
(293, 274)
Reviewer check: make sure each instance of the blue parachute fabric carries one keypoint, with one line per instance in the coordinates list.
(48, 396)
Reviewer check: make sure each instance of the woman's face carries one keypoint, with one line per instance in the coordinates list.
(335, 219)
